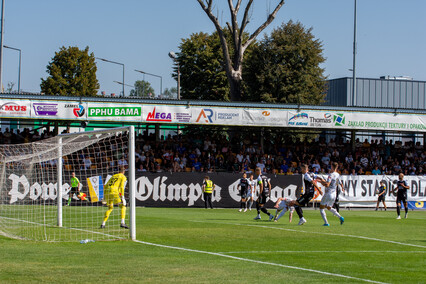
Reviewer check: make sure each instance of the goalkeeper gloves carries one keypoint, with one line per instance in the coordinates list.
(123, 201)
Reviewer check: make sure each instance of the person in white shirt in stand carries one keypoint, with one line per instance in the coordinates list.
(329, 197)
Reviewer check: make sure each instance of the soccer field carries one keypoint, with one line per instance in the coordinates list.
(224, 246)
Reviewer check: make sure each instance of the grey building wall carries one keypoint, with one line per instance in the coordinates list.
(377, 93)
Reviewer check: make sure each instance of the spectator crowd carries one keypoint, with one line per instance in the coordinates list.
(243, 153)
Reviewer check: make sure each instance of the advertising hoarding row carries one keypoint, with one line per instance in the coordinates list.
(185, 189)
(212, 115)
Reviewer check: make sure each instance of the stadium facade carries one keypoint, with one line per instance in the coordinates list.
(384, 92)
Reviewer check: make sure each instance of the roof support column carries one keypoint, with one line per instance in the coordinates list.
(353, 146)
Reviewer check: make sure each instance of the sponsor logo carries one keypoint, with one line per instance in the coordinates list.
(206, 114)
(44, 109)
(300, 115)
(77, 109)
(295, 119)
(266, 113)
(419, 204)
(159, 116)
(12, 108)
(339, 119)
(114, 111)
(328, 115)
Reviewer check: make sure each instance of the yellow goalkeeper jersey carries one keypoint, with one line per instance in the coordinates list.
(115, 184)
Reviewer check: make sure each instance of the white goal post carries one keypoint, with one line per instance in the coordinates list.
(53, 189)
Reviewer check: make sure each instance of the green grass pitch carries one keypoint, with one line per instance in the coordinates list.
(225, 246)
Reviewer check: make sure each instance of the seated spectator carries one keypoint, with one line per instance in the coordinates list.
(284, 166)
(87, 163)
(376, 171)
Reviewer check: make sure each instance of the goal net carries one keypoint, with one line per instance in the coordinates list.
(54, 189)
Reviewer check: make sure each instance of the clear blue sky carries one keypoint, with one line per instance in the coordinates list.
(139, 33)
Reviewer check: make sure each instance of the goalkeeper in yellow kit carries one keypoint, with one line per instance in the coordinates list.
(114, 194)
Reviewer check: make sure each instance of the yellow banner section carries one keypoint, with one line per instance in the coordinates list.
(93, 196)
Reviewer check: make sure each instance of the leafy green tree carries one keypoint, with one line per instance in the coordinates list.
(201, 67)
(285, 67)
(72, 72)
(142, 89)
(170, 93)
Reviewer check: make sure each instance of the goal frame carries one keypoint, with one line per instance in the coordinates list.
(131, 176)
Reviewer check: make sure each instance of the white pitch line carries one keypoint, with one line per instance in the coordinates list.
(322, 251)
(320, 233)
(69, 228)
(260, 262)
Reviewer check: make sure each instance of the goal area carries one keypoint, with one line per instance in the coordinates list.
(54, 189)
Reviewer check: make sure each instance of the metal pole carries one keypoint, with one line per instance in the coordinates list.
(178, 90)
(59, 182)
(123, 80)
(1, 46)
(354, 62)
(132, 183)
(19, 76)
(19, 72)
(161, 86)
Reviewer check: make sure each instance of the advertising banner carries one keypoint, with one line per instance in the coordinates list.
(265, 117)
(166, 114)
(152, 189)
(185, 189)
(363, 190)
(15, 108)
(356, 120)
(58, 110)
(212, 115)
(217, 116)
(114, 112)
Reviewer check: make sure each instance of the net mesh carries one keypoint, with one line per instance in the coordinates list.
(29, 187)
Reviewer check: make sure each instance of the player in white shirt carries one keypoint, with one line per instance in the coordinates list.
(283, 205)
(329, 197)
(252, 191)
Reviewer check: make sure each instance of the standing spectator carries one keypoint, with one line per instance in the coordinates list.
(208, 188)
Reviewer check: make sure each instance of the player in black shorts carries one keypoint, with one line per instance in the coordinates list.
(401, 195)
(339, 190)
(244, 187)
(264, 190)
(382, 195)
(310, 186)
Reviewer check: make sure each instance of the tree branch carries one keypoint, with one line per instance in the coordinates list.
(219, 30)
(270, 18)
(245, 18)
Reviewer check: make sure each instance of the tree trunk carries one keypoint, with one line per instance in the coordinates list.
(235, 85)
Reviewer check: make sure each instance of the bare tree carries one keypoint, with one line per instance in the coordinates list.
(234, 67)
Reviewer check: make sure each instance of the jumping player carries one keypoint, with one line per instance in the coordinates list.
(244, 187)
(310, 186)
(114, 194)
(330, 195)
(401, 196)
(283, 205)
(382, 195)
(264, 189)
